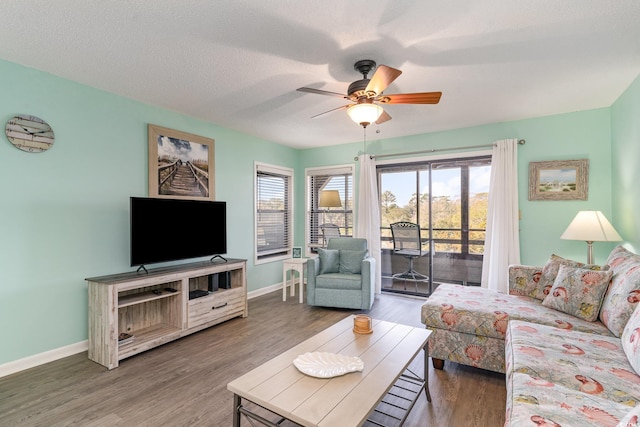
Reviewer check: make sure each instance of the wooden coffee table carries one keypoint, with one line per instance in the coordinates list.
(347, 400)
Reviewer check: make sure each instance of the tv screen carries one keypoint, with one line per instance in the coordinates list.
(171, 229)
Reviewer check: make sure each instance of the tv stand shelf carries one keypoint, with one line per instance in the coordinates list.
(142, 297)
(137, 303)
(148, 338)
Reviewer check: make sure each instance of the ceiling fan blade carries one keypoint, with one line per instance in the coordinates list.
(384, 117)
(382, 78)
(320, 92)
(411, 98)
(331, 111)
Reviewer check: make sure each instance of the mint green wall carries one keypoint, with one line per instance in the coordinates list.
(562, 137)
(625, 151)
(64, 212)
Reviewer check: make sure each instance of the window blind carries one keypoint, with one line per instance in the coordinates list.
(273, 212)
(342, 181)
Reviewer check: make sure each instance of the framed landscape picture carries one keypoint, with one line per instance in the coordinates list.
(181, 165)
(559, 180)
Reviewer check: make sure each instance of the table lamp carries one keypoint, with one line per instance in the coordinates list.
(591, 226)
(329, 199)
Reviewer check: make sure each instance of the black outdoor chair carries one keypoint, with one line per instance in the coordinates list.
(408, 243)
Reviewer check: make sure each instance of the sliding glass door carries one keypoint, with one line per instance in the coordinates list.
(448, 200)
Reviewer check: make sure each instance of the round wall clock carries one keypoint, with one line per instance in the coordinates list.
(29, 133)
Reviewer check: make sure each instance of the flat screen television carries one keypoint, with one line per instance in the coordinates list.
(174, 229)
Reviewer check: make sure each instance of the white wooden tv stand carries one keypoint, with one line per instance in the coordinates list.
(155, 308)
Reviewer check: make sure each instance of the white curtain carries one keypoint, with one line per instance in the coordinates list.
(502, 242)
(368, 220)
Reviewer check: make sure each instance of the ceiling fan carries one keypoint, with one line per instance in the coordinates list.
(367, 94)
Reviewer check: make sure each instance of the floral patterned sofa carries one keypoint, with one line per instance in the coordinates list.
(562, 336)
(560, 377)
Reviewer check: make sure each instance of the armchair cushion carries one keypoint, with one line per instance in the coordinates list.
(329, 260)
(339, 281)
(351, 261)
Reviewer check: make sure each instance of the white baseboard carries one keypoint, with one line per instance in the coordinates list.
(264, 291)
(42, 358)
(58, 353)
(269, 289)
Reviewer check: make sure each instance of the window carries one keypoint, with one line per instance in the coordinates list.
(273, 202)
(338, 178)
(448, 198)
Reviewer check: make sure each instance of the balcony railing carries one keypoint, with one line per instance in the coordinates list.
(444, 265)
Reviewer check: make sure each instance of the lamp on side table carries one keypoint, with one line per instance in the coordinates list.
(329, 199)
(591, 226)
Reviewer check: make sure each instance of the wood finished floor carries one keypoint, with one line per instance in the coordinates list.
(183, 383)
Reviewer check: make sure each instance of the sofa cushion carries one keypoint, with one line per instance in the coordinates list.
(566, 378)
(624, 291)
(550, 271)
(631, 340)
(533, 402)
(351, 261)
(578, 291)
(586, 363)
(329, 260)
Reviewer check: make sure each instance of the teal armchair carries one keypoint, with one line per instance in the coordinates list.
(342, 276)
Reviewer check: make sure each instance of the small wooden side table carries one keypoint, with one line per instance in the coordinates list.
(293, 264)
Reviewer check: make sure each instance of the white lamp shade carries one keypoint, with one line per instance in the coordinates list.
(364, 114)
(329, 199)
(591, 226)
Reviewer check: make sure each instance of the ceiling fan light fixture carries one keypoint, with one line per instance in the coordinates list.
(364, 114)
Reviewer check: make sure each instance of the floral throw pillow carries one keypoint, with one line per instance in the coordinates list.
(624, 292)
(631, 340)
(550, 271)
(523, 280)
(578, 291)
(631, 419)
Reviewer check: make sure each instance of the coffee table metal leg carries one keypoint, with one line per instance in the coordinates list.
(426, 371)
(236, 410)
(239, 410)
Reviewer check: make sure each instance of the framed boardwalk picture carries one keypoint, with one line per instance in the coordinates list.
(559, 180)
(181, 165)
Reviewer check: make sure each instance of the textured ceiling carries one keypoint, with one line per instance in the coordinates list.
(238, 63)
